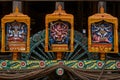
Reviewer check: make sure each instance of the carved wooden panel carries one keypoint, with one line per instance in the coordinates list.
(15, 32)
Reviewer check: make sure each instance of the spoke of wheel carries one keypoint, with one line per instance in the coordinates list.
(24, 56)
(69, 55)
(41, 52)
(34, 46)
(65, 55)
(79, 56)
(36, 53)
(33, 58)
(51, 54)
(73, 57)
(76, 54)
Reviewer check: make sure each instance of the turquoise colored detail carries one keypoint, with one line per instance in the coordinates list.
(32, 64)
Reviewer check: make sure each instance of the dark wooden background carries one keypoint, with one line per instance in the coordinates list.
(80, 9)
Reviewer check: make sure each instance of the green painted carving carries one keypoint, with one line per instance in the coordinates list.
(78, 64)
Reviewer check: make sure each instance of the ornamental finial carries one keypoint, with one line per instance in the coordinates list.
(101, 9)
(16, 10)
(59, 7)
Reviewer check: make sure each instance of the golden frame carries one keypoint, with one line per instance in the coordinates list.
(19, 17)
(59, 15)
(108, 18)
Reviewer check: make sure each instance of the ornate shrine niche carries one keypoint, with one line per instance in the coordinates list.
(15, 32)
(58, 38)
(102, 33)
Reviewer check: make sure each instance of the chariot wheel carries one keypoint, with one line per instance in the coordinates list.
(37, 49)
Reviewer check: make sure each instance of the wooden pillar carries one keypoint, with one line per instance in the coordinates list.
(102, 56)
(15, 56)
(59, 55)
(17, 3)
